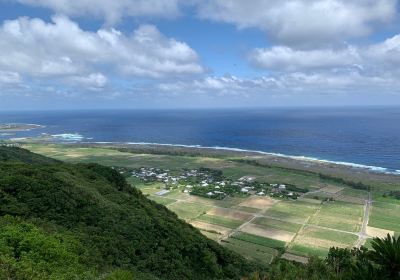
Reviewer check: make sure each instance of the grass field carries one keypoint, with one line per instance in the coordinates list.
(268, 242)
(385, 216)
(188, 211)
(162, 200)
(252, 251)
(318, 241)
(217, 220)
(277, 224)
(272, 233)
(301, 250)
(292, 211)
(339, 215)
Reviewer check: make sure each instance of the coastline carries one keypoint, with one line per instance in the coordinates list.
(76, 139)
(376, 169)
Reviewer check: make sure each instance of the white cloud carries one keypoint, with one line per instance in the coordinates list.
(61, 49)
(289, 59)
(94, 81)
(386, 53)
(305, 22)
(349, 82)
(7, 77)
(110, 10)
(379, 58)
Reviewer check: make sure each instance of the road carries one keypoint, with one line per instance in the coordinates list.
(362, 236)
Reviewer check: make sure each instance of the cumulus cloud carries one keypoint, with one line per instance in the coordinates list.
(351, 81)
(304, 22)
(284, 58)
(383, 57)
(7, 77)
(62, 49)
(94, 81)
(112, 11)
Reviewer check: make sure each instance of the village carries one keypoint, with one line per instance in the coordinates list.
(210, 183)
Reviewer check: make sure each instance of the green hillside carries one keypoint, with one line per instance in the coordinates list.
(83, 221)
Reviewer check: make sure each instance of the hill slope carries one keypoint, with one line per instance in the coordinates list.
(65, 221)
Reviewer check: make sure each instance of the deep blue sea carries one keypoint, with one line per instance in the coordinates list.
(367, 136)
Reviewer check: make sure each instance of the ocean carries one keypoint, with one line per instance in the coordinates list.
(364, 136)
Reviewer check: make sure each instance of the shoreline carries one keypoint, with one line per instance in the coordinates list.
(370, 168)
(350, 171)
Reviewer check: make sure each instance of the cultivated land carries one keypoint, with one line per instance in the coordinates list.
(260, 227)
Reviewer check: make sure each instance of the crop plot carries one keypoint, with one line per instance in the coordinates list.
(331, 189)
(272, 233)
(385, 216)
(251, 251)
(339, 215)
(295, 258)
(162, 200)
(218, 220)
(378, 232)
(313, 240)
(277, 224)
(188, 211)
(230, 213)
(292, 211)
(264, 241)
(247, 209)
(258, 202)
(210, 227)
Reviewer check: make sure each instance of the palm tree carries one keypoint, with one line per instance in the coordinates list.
(386, 252)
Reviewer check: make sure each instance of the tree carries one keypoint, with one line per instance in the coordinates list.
(339, 259)
(386, 252)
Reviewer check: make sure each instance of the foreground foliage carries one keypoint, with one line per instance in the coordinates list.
(382, 262)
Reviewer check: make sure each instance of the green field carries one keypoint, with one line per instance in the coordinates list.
(316, 241)
(277, 224)
(355, 193)
(264, 241)
(301, 250)
(386, 216)
(292, 211)
(339, 215)
(217, 220)
(161, 200)
(188, 211)
(252, 251)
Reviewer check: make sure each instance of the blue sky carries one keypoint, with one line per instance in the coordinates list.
(59, 54)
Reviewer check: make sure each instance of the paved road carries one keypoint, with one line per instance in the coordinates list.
(362, 236)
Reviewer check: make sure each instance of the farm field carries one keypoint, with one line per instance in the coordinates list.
(252, 251)
(258, 227)
(385, 216)
(317, 241)
(339, 215)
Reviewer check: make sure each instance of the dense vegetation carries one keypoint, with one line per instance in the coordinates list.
(380, 263)
(354, 185)
(83, 221)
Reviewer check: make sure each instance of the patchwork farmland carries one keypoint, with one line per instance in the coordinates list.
(258, 225)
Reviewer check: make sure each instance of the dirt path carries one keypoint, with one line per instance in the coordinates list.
(362, 236)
